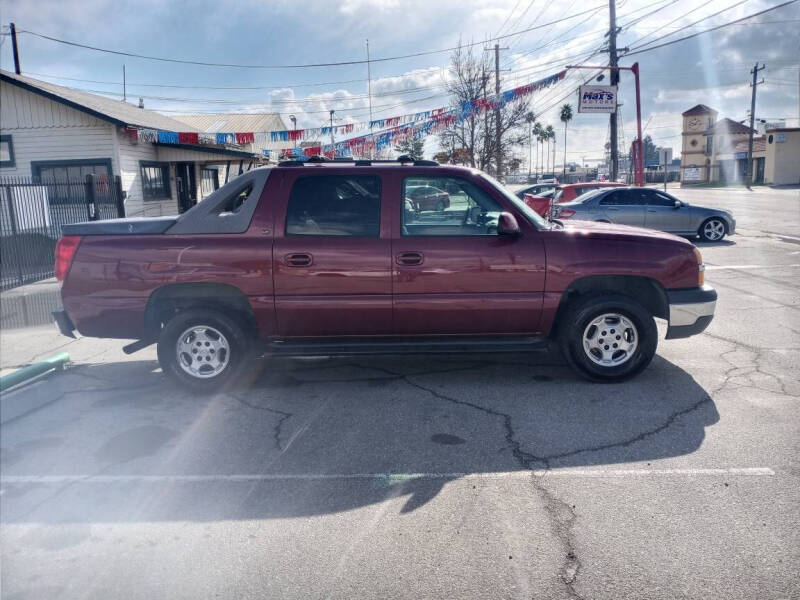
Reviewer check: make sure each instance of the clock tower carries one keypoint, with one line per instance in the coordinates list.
(695, 150)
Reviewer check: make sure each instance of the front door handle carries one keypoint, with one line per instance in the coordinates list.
(409, 258)
(651, 210)
(612, 208)
(298, 259)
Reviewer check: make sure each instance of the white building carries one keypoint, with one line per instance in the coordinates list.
(53, 133)
(259, 123)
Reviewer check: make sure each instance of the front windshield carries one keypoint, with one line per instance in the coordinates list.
(526, 210)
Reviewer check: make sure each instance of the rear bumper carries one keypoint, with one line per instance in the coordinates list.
(65, 325)
(690, 311)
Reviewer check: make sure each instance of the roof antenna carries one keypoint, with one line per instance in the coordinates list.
(124, 87)
(141, 102)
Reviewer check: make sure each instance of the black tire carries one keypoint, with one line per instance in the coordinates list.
(440, 206)
(580, 315)
(705, 235)
(233, 337)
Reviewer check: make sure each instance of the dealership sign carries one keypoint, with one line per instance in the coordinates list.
(597, 98)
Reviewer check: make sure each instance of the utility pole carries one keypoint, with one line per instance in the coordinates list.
(369, 94)
(498, 148)
(486, 145)
(14, 48)
(332, 149)
(753, 85)
(612, 52)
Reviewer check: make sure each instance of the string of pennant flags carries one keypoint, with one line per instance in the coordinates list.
(394, 129)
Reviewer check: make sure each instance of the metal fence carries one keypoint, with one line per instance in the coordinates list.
(32, 213)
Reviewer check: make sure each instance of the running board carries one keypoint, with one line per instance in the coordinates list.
(339, 347)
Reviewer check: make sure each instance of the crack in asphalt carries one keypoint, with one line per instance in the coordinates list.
(746, 371)
(562, 515)
(278, 429)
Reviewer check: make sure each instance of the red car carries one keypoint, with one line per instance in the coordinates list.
(323, 258)
(570, 191)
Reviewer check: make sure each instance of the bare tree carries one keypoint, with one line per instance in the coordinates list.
(467, 83)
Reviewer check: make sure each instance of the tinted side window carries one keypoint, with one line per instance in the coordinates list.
(620, 198)
(657, 198)
(335, 205)
(450, 206)
(236, 201)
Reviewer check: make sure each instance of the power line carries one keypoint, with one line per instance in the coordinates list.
(719, 12)
(508, 17)
(297, 66)
(207, 87)
(648, 48)
(644, 16)
(526, 72)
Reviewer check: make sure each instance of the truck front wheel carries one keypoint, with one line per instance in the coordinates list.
(608, 337)
(203, 350)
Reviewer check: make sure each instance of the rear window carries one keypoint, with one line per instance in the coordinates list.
(335, 205)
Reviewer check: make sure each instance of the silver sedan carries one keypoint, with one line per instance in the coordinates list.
(651, 208)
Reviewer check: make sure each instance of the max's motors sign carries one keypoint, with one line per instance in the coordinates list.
(597, 98)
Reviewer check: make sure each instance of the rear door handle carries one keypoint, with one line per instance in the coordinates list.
(612, 208)
(651, 210)
(409, 258)
(299, 259)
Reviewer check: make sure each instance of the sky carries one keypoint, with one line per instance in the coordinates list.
(713, 69)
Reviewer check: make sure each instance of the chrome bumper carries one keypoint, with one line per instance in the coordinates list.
(690, 311)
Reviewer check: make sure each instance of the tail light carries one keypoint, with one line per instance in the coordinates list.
(701, 268)
(565, 213)
(65, 252)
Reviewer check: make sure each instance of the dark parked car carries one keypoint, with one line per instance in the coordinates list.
(325, 259)
(651, 208)
(426, 197)
(535, 190)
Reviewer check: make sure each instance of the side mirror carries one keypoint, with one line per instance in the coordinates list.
(507, 224)
(678, 203)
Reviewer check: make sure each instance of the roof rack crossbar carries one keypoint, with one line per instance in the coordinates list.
(359, 162)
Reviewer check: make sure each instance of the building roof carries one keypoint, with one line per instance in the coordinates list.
(729, 127)
(224, 122)
(700, 109)
(115, 111)
(759, 145)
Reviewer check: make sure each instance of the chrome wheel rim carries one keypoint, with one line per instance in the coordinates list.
(202, 351)
(714, 230)
(610, 340)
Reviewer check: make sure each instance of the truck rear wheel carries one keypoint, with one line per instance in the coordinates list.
(203, 350)
(608, 337)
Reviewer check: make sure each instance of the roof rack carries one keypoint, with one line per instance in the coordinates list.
(358, 162)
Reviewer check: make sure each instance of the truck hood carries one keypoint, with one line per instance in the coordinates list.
(595, 229)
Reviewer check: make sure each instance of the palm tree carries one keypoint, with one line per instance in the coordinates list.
(541, 138)
(566, 117)
(530, 119)
(537, 133)
(550, 134)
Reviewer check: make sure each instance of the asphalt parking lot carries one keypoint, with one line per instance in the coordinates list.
(501, 476)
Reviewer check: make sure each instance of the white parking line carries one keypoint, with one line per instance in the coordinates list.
(597, 473)
(721, 267)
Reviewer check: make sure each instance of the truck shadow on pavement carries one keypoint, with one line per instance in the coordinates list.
(315, 437)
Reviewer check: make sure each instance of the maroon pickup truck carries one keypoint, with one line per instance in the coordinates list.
(322, 258)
